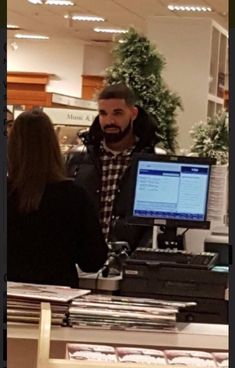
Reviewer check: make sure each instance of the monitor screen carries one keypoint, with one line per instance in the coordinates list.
(170, 190)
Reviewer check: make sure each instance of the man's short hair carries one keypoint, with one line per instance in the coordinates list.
(120, 91)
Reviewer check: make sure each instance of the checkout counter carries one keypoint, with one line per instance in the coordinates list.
(205, 329)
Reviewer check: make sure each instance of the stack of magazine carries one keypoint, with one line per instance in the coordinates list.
(103, 311)
(137, 354)
(24, 301)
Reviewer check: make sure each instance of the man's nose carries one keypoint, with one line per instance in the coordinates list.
(111, 119)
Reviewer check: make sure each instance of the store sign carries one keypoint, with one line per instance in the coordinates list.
(73, 101)
(70, 117)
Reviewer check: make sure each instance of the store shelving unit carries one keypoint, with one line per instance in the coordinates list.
(196, 54)
(218, 68)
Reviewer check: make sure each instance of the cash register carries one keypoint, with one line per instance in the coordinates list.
(172, 192)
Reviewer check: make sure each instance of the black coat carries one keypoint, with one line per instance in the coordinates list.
(86, 168)
(44, 245)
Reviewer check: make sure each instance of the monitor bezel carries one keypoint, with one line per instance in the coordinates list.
(149, 221)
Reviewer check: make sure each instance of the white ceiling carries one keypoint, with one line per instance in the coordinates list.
(49, 20)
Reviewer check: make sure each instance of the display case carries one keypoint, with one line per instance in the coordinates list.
(24, 350)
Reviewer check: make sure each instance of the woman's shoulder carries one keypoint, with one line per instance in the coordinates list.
(66, 186)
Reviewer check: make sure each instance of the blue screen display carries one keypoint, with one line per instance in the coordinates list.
(171, 190)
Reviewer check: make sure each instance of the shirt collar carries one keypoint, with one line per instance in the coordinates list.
(126, 152)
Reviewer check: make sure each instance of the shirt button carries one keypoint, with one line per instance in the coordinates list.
(97, 191)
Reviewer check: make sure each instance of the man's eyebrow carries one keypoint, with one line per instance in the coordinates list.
(114, 110)
(117, 110)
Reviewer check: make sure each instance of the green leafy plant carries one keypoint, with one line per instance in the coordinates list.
(211, 138)
(139, 65)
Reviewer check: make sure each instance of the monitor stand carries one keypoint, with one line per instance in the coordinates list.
(168, 238)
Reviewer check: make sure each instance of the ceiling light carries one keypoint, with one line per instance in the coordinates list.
(12, 26)
(89, 18)
(51, 2)
(35, 1)
(32, 37)
(188, 8)
(110, 30)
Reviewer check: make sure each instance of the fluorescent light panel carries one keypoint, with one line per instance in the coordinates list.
(31, 37)
(110, 30)
(193, 8)
(12, 26)
(52, 2)
(89, 18)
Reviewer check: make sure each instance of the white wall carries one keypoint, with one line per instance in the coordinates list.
(67, 59)
(61, 57)
(185, 44)
(96, 59)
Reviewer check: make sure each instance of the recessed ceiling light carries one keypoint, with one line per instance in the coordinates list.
(12, 26)
(52, 2)
(31, 37)
(89, 18)
(193, 8)
(110, 30)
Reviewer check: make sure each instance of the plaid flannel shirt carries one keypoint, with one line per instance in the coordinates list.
(114, 166)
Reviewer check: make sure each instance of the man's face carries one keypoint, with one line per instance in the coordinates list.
(116, 118)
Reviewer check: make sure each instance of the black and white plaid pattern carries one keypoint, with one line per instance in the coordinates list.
(113, 168)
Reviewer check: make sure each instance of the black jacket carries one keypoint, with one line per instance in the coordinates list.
(86, 168)
(44, 245)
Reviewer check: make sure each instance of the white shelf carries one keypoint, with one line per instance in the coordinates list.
(215, 99)
(193, 335)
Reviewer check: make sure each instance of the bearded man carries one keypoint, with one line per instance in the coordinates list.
(120, 129)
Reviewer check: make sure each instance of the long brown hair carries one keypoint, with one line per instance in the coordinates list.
(34, 158)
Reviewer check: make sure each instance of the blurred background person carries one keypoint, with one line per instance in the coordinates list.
(51, 222)
(10, 121)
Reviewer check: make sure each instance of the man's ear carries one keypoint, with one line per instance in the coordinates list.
(135, 112)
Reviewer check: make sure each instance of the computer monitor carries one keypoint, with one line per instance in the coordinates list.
(170, 191)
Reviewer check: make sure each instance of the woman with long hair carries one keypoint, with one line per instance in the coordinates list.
(51, 222)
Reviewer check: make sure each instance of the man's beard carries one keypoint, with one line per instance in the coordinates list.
(115, 137)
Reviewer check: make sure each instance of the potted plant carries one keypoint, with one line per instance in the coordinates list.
(210, 139)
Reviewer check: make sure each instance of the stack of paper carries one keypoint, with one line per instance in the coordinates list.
(123, 312)
(24, 301)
